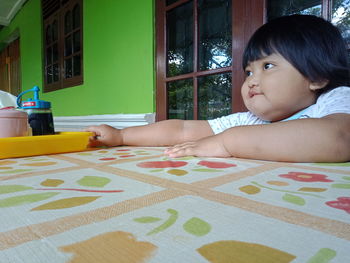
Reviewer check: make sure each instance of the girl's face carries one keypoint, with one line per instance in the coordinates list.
(274, 90)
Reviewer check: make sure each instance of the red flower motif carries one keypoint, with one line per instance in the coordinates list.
(210, 164)
(343, 203)
(162, 164)
(306, 177)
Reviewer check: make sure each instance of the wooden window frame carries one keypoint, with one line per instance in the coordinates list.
(58, 15)
(247, 16)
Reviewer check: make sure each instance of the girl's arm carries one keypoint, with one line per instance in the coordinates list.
(163, 133)
(305, 140)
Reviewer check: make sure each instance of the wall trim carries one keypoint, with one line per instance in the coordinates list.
(120, 121)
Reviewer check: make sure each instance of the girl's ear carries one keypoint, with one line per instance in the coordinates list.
(318, 85)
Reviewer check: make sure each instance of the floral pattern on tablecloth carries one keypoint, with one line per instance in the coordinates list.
(187, 169)
(325, 194)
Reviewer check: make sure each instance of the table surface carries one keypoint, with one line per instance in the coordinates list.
(133, 204)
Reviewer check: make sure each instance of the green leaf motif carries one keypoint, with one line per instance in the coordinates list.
(66, 203)
(16, 171)
(206, 170)
(324, 255)
(147, 219)
(5, 189)
(312, 189)
(341, 186)
(333, 164)
(94, 181)
(294, 199)
(168, 223)
(197, 227)
(185, 158)
(346, 177)
(25, 199)
(156, 170)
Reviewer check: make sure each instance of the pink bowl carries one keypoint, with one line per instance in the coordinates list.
(13, 123)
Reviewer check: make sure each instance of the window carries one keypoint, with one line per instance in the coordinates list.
(63, 46)
(199, 49)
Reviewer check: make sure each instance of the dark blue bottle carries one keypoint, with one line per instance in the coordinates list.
(39, 113)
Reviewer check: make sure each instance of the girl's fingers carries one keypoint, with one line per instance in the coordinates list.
(181, 150)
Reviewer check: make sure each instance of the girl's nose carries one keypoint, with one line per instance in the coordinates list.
(253, 81)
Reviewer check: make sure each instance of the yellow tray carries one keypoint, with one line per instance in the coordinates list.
(46, 144)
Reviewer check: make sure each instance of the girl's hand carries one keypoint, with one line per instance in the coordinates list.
(209, 146)
(104, 135)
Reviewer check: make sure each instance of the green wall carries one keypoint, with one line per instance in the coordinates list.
(118, 58)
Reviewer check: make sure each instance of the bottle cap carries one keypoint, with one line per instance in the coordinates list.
(35, 103)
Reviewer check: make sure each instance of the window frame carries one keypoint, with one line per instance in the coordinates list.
(242, 28)
(59, 15)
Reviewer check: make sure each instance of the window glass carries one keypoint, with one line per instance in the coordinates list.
(76, 41)
(215, 34)
(68, 45)
(277, 8)
(169, 2)
(55, 72)
(341, 18)
(68, 68)
(76, 65)
(180, 40)
(67, 22)
(180, 99)
(49, 74)
(48, 55)
(55, 52)
(54, 30)
(76, 17)
(48, 34)
(214, 96)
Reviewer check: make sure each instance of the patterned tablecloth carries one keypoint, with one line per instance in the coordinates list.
(132, 204)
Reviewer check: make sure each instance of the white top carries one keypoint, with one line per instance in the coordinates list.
(334, 101)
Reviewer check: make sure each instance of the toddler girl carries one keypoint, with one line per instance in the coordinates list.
(296, 91)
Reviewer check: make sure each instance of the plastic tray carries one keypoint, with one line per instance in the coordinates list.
(46, 144)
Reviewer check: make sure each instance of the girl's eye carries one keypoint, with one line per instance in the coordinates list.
(268, 65)
(248, 73)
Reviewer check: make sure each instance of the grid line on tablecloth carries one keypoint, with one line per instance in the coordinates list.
(91, 164)
(31, 174)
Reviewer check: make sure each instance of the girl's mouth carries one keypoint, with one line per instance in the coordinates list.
(252, 93)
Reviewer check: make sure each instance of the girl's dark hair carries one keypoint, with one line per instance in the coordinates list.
(311, 44)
